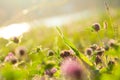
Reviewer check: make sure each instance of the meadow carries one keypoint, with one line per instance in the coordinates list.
(88, 49)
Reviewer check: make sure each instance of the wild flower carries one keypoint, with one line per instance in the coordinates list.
(96, 27)
(89, 51)
(66, 53)
(111, 42)
(100, 51)
(50, 53)
(15, 40)
(11, 58)
(21, 53)
(106, 47)
(72, 69)
(50, 72)
(94, 47)
(98, 60)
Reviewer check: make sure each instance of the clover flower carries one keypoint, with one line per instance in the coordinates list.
(72, 69)
(11, 58)
(66, 53)
(50, 72)
(96, 27)
(21, 53)
(89, 51)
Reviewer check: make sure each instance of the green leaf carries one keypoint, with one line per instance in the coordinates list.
(71, 45)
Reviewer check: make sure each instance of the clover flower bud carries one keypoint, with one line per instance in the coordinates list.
(94, 47)
(20, 51)
(111, 42)
(96, 27)
(50, 53)
(50, 72)
(111, 63)
(66, 53)
(15, 40)
(88, 51)
(11, 58)
(98, 60)
(100, 51)
(106, 47)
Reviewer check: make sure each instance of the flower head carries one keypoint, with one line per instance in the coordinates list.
(21, 53)
(111, 42)
(15, 40)
(72, 69)
(50, 72)
(96, 27)
(50, 53)
(11, 58)
(100, 51)
(88, 51)
(94, 47)
(66, 53)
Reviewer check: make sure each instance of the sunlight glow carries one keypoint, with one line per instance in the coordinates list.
(14, 30)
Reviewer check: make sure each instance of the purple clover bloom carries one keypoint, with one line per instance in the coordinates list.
(72, 69)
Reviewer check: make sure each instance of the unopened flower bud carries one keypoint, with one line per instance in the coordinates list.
(111, 63)
(13, 61)
(15, 40)
(96, 27)
(66, 53)
(88, 51)
(94, 47)
(100, 51)
(106, 47)
(20, 51)
(50, 53)
(111, 42)
(98, 60)
(50, 72)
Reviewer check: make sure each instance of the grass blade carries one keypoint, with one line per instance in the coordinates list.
(71, 46)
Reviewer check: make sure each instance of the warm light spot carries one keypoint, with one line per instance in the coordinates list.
(14, 30)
